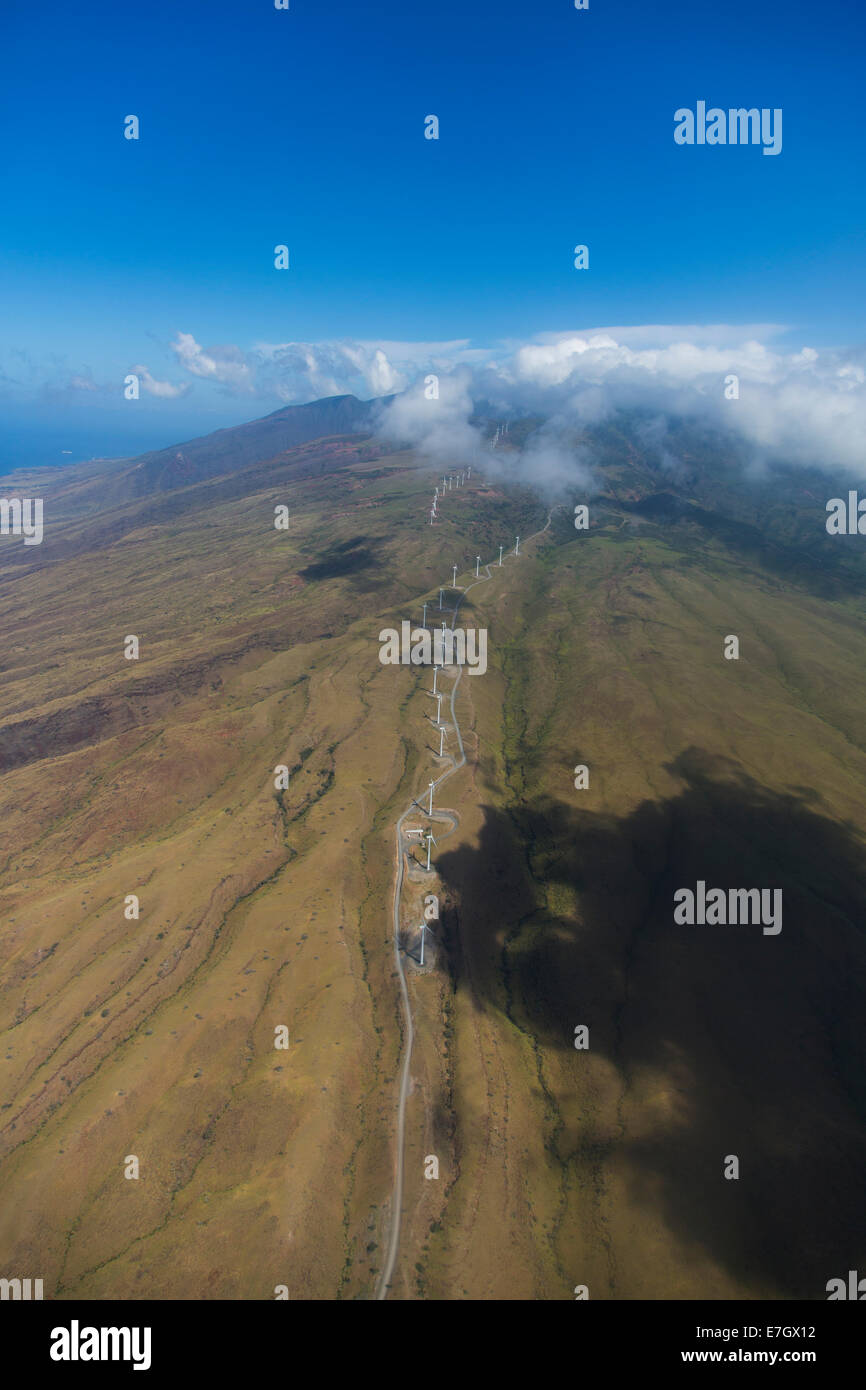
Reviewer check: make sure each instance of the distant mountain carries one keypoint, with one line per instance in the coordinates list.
(226, 450)
(213, 455)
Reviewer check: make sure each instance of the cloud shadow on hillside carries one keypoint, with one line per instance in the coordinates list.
(763, 1038)
(350, 557)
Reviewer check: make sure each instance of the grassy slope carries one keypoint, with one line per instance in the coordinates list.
(155, 1037)
(605, 1167)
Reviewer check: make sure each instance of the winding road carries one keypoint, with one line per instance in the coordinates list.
(397, 1193)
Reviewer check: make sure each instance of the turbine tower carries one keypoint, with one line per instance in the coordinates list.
(432, 785)
(454, 579)
(517, 547)
(477, 565)
(424, 616)
(430, 841)
(436, 670)
(424, 929)
(501, 548)
(441, 739)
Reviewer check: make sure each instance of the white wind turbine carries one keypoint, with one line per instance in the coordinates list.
(424, 929)
(501, 548)
(436, 669)
(517, 547)
(441, 739)
(432, 785)
(441, 592)
(454, 580)
(431, 840)
(477, 565)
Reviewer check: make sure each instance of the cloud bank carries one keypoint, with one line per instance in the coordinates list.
(804, 406)
(801, 406)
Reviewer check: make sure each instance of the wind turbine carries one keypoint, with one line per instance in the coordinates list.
(454, 580)
(441, 592)
(432, 785)
(439, 706)
(424, 929)
(463, 477)
(517, 547)
(424, 616)
(477, 565)
(436, 670)
(431, 840)
(469, 472)
(441, 739)
(501, 548)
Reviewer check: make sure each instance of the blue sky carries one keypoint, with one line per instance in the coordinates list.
(306, 127)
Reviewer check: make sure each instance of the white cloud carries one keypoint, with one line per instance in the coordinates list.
(805, 405)
(226, 365)
(165, 390)
(439, 427)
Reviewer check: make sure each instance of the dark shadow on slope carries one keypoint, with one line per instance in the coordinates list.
(349, 557)
(762, 1037)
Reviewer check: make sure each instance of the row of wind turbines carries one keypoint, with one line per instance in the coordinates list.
(448, 482)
